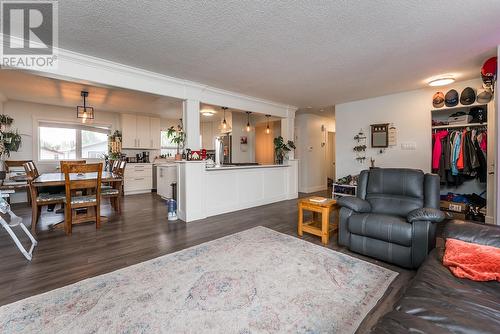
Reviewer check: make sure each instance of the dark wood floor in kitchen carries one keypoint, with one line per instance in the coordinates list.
(139, 234)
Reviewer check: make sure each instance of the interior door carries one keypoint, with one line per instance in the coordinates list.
(330, 156)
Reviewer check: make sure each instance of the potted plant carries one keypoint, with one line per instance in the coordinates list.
(10, 141)
(177, 136)
(281, 149)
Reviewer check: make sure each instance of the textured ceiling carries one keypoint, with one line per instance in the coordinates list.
(305, 53)
(17, 85)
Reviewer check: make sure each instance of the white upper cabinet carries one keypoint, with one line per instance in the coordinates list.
(129, 131)
(155, 133)
(141, 132)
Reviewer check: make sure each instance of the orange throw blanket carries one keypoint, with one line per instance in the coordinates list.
(472, 261)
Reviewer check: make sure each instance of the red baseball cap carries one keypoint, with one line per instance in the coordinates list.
(489, 68)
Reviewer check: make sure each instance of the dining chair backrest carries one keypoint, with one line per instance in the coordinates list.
(120, 169)
(15, 163)
(71, 162)
(31, 171)
(114, 165)
(82, 179)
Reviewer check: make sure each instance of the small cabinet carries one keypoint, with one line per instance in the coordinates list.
(141, 132)
(138, 178)
(166, 175)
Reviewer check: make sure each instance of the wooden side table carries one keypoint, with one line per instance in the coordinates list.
(318, 227)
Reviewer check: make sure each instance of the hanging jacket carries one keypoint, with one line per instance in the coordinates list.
(455, 152)
(438, 147)
(460, 160)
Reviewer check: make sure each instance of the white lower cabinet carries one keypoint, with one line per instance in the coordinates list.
(166, 175)
(138, 178)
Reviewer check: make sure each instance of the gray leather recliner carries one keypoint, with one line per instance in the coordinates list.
(392, 217)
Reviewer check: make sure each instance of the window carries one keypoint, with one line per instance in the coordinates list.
(167, 147)
(59, 141)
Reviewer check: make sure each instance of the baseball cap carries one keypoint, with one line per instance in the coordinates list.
(484, 96)
(468, 96)
(451, 98)
(438, 100)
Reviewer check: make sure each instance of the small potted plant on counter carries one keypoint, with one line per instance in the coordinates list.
(177, 136)
(281, 149)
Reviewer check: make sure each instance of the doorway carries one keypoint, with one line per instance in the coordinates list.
(330, 158)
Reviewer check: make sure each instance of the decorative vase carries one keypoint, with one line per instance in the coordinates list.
(178, 157)
(279, 160)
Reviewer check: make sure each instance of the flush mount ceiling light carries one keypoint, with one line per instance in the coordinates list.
(443, 81)
(207, 112)
(224, 123)
(84, 112)
(268, 131)
(248, 120)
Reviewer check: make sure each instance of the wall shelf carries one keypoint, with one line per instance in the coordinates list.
(452, 126)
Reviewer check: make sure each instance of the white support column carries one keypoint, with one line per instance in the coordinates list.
(288, 129)
(191, 123)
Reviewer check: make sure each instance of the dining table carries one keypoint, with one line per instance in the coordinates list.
(57, 179)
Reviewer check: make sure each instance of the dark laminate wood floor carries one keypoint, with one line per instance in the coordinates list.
(141, 233)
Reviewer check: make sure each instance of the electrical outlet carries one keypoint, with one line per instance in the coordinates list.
(409, 146)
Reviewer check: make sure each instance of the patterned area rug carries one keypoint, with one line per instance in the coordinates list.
(256, 281)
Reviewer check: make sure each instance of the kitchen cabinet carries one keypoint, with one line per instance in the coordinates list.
(129, 131)
(166, 175)
(155, 132)
(142, 132)
(138, 178)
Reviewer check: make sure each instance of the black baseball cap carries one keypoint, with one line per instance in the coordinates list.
(468, 96)
(451, 98)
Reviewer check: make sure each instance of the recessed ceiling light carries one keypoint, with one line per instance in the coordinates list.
(441, 81)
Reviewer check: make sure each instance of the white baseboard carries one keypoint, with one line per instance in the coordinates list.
(313, 189)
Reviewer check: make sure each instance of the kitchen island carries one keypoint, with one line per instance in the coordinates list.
(205, 192)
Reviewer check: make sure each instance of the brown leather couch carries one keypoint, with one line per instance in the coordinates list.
(438, 302)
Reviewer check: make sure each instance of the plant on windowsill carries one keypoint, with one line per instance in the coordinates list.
(281, 149)
(177, 136)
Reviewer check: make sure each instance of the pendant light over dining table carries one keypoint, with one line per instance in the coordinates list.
(84, 112)
(268, 130)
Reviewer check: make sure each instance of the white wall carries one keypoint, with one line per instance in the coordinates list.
(409, 111)
(310, 152)
(242, 153)
(26, 116)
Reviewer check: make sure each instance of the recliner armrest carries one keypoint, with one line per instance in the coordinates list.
(426, 214)
(355, 204)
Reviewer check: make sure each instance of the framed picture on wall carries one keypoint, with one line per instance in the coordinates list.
(244, 140)
(380, 135)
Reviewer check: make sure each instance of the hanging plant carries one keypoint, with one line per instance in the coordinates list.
(10, 141)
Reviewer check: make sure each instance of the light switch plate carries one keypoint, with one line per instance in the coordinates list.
(409, 146)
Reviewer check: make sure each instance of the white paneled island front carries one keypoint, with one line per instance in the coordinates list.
(205, 192)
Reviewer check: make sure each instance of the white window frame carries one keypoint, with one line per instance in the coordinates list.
(174, 147)
(70, 125)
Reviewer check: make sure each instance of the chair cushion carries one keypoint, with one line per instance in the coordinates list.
(387, 228)
(105, 186)
(46, 197)
(83, 199)
(109, 191)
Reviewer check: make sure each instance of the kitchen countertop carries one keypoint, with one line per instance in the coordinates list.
(244, 167)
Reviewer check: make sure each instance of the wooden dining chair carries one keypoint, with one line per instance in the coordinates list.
(71, 162)
(10, 165)
(82, 178)
(114, 191)
(40, 197)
